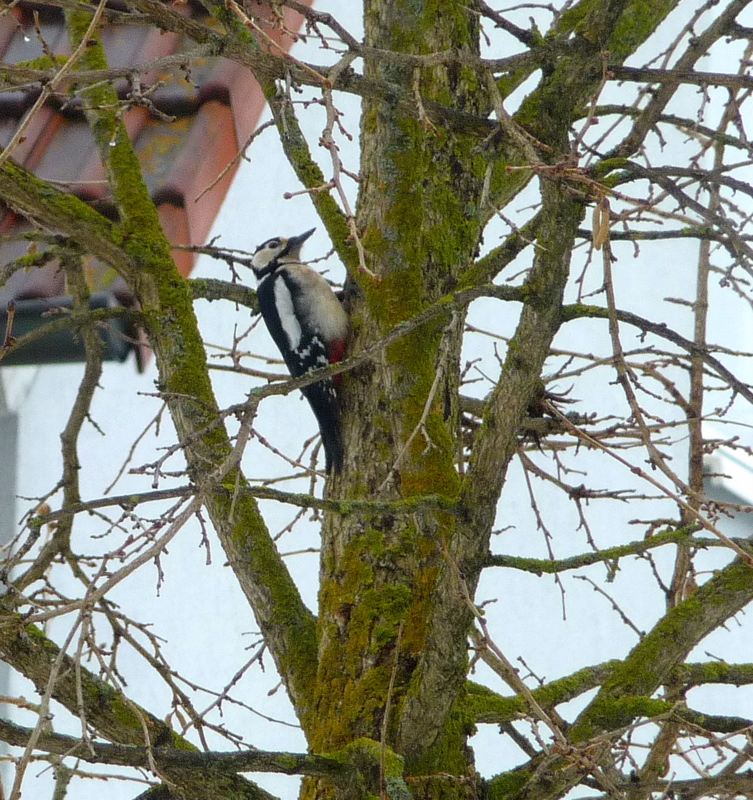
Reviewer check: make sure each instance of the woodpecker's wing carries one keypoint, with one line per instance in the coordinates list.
(285, 306)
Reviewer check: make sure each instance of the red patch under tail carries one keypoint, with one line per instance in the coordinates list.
(336, 353)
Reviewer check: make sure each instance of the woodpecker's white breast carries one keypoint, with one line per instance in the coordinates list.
(312, 305)
(286, 311)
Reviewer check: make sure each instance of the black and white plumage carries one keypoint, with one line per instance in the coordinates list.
(308, 325)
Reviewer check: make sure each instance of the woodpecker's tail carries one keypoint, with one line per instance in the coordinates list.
(323, 402)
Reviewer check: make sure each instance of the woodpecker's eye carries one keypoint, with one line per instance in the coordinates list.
(271, 244)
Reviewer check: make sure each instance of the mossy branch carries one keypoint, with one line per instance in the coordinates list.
(142, 233)
(171, 758)
(213, 289)
(58, 211)
(665, 646)
(489, 267)
(542, 566)
(487, 706)
(170, 321)
(26, 649)
(690, 675)
(343, 507)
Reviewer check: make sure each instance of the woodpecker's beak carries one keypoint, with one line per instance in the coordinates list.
(296, 242)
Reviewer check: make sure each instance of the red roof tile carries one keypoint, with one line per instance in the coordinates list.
(214, 112)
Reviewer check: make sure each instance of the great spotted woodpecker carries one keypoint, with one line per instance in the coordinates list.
(308, 325)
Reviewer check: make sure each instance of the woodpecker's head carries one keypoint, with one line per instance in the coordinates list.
(269, 255)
